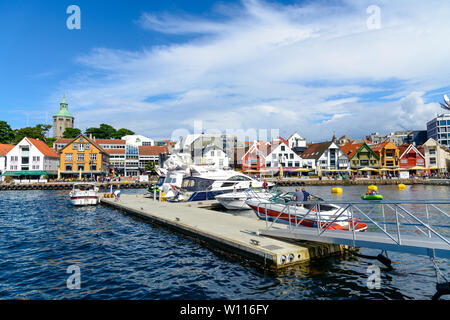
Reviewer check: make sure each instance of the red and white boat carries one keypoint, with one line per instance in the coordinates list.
(84, 194)
(282, 210)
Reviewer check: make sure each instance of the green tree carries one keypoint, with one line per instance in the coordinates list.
(123, 132)
(105, 131)
(49, 142)
(6, 133)
(71, 133)
(29, 132)
(150, 167)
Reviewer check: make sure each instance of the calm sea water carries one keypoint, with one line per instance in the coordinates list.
(123, 257)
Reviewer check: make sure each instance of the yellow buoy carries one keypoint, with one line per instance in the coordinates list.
(370, 188)
(336, 190)
(401, 186)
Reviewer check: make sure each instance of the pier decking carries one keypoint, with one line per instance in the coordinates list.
(235, 234)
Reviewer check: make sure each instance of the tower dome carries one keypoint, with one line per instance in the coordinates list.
(62, 119)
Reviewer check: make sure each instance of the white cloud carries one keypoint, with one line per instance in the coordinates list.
(312, 68)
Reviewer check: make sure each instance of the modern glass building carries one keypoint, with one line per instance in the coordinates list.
(439, 129)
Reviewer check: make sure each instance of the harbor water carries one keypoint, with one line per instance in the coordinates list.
(123, 257)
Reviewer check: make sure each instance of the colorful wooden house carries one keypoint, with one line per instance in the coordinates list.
(255, 157)
(410, 156)
(83, 156)
(361, 155)
(388, 153)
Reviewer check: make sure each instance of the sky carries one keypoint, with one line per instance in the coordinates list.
(158, 67)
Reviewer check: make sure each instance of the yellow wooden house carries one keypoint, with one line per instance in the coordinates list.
(83, 157)
(388, 153)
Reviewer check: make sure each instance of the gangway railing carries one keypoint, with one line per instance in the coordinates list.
(421, 227)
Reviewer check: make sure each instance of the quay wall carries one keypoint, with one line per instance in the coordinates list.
(362, 182)
(69, 186)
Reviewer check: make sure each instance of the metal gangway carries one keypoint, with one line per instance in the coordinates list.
(416, 227)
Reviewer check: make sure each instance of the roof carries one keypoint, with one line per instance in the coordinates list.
(63, 110)
(5, 148)
(152, 150)
(109, 141)
(351, 148)
(315, 150)
(43, 148)
(84, 136)
(114, 151)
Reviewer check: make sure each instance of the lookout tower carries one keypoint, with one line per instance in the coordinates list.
(62, 119)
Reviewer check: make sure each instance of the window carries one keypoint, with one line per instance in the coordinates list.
(432, 160)
(93, 156)
(290, 164)
(291, 156)
(93, 167)
(25, 160)
(212, 153)
(297, 164)
(432, 151)
(80, 156)
(36, 158)
(283, 148)
(69, 156)
(80, 167)
(81, 147)
(75, 146)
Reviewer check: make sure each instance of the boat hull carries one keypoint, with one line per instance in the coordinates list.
(372, 197)
(274, 213)
(84, 200)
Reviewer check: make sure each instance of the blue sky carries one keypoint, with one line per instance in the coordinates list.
(157, 66)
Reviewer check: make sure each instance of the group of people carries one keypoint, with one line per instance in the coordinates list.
(301, 195)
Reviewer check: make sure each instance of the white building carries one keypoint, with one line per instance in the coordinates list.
(436, 156)
(4, 149)
(214, 156)
(296, 141)
(138, 140)
(32, 156)
(285, 156)
(327, 155)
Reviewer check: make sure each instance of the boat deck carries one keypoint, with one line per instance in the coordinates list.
(235, 234)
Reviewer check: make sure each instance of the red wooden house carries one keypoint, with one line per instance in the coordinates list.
(255, 157)
(410, 156)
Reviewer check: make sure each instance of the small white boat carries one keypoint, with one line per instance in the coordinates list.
(84, 194)
(236, 200)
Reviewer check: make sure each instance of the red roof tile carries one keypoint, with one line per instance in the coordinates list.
(114, 151)
(43, 148)
(152, 150)
(5, 148)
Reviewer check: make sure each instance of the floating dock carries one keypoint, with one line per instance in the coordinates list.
(69, 185)
(235, 234)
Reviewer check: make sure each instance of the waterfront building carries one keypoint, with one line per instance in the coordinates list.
(438, 129)
(297, 143)
(361, 155)
(327, 155)
(4, 149)
(214, 156)
(411, 156)
(62, 119)
(283, 155)
(388, 153)
(115, 148)
(254, 158)
(31, 158)
(138, 140)
(169, 144)
(153, 154)
(437, 157)
(344, 140)
(84, 156)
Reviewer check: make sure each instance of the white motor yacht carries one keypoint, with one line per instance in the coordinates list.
(236, 200)
(84, 194)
